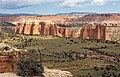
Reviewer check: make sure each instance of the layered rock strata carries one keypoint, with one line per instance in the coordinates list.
(50, 28)
(99, 32)
(44, 28)
(8, 58)
(8, 61)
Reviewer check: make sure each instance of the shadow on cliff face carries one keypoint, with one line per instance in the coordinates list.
(7, 27)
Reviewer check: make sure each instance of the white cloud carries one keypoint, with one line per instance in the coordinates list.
(16, 4)
(82, 3)
(99, 2)
(70, 3)
(76, 3)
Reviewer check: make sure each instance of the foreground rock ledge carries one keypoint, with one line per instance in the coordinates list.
(56, 73)
(47, 73)
(9, 57)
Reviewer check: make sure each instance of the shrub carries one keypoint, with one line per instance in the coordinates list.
(6, 48)
(30, 64)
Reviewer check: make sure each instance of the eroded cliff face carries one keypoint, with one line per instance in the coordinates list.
(74, 34)
(58, 25)
(111, 20)
(108, 19)
(54, 18)
(44, 28)
(35, 29)
(99, 32)
(7, 62)
(50, 28)
(8, 58)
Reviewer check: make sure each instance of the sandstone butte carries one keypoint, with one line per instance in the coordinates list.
(109, 19)
(99, 32)
(48, 27)
(44, 28)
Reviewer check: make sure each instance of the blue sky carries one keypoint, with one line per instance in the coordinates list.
(45, 7)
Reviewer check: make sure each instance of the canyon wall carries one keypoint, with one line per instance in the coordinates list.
(54, 18)
(7, 61)
(99, 32)
(50, 28)
(109, 19)
(44, 28)
(63, 26)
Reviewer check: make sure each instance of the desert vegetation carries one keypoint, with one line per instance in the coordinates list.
(82, 57)
(30, 64)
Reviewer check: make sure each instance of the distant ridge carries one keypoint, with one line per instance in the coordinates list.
(76, 13)
(20, 14)
(59, 14)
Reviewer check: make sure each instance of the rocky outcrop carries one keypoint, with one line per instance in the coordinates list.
(8, 58)
(27, 28)
(47, 73)
(74, 34)
(64, 32)
(35, 29)
(7, 63)
(56, 73)
(99, 32)
(48, 28)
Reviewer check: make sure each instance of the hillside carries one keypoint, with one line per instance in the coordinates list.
(76, 13)
(109, 19)
(6, 24)
(81, 57)
(25, 14)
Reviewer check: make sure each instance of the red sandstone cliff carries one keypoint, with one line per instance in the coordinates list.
(35, 29)
(108, 19)
(9, 58)
(50, 28)
(99, 32)
(74, 34)
(44, 28)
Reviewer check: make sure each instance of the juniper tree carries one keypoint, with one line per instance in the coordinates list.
(30, 64)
